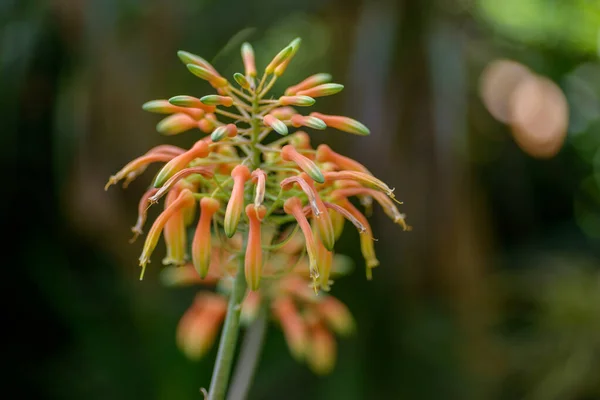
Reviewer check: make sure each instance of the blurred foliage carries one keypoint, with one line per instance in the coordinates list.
(435, 323)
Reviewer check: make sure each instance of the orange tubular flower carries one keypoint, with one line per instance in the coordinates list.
(283, 113)
(199, 150)
(293, 206)
(308, 83)
(198, 327)
(325, 259)
(240, 175)
(201, 246)
(253, 260)
(174, 234)
(168, 185)
(337, 315)
(277, 125)
(366, 239)
(322, 219)
(325, 154)
(361, 177)
(293, 327)
(185, 199)
(289, 153)
(138, 163)
(322, 350)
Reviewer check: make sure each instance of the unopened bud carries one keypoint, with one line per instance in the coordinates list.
(343, 123)
(241, 80)
(302, 101)
(277, 125)
(326, 89)
(216, 100)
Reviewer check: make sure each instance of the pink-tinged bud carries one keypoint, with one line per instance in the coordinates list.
(289, 153)
(142, 213)
(199, 150)
(259, 177)
(175, 124)
(364, 179)
(139, 163)
(164, 107)
(325, 154)
(303, 101)
(240, 175)
(168, 185)
(325, 259)
(300, 140)
(308, 121)
(277, 125)
(337, 316)
(366, 238)
(283, 113)
(216, 100)
(250, 307)
(279, 58)
(343, 123)
(308, 83)
(253, 262)
(206, 125)
(326, 89)
(189, 58)
(198, 328)
(191, 102)
(215, 80)
(248, 59)
(201, 245)
(293, 206)
(292, 325)
(241, 80)
(229, 130)
(185, 199)
(174, 234)
(322, 350)
(341, 214)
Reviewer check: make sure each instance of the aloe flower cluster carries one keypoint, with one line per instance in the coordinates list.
(253, 199)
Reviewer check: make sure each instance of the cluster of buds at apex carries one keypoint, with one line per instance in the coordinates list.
(255, 194)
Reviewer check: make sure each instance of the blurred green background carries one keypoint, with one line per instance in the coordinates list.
(495, 294)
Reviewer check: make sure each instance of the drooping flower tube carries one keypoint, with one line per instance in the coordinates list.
(293, 206)
(142, 213)
(293, 327)
(326, 154)
(185, 199)
(289, 153)
(199, 150)
(240, 175)
(253, 261)
(201, 245)
(174, 233)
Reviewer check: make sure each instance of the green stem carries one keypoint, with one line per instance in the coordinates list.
(222, 370)
(248, 359)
